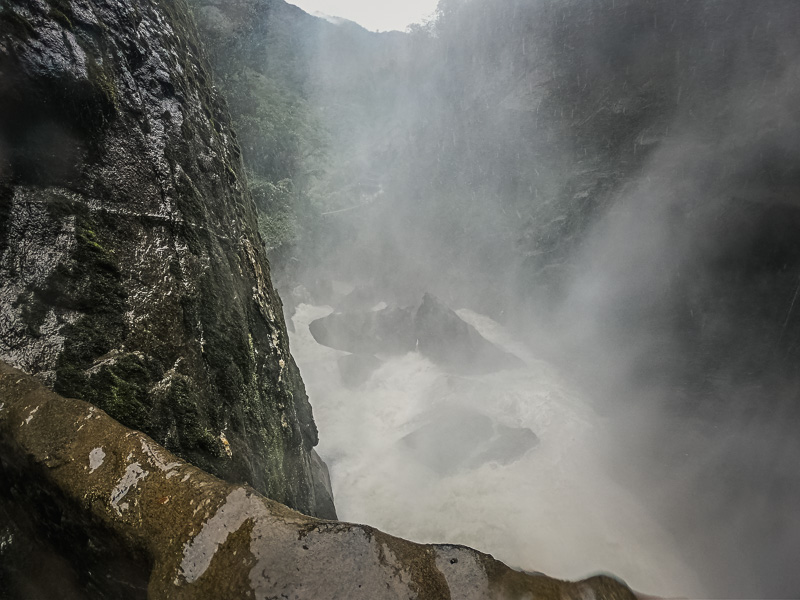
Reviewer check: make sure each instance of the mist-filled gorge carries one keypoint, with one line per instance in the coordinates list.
(538, 266)
(612, 183)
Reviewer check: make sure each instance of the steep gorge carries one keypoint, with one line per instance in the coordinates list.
(616, 180)
(133, 278)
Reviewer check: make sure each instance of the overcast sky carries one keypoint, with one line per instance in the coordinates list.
(377, 15)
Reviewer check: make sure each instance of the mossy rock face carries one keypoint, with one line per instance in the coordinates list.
(131, 271)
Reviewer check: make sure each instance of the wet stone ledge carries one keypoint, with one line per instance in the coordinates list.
(123, 517)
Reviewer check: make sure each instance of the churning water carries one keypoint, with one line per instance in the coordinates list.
(555, 508)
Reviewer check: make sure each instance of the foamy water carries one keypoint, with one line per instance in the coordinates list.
(554, 510)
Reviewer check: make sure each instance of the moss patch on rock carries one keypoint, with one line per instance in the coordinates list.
(89, 283)
(61, 11)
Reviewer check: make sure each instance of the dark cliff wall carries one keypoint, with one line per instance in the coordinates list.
(131, 271)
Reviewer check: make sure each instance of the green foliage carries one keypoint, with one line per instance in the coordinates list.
(89, 283)
(276, 127)
(277, 221)
(282, 144)
(262, 65)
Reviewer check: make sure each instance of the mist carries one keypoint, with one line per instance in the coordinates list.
(606, 190)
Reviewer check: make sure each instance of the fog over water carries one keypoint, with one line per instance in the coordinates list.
(610, 191)
(539, 260)
(556, 509)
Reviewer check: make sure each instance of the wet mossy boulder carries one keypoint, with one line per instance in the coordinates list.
(132, 274)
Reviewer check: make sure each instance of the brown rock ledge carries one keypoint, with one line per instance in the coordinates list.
(203, 538)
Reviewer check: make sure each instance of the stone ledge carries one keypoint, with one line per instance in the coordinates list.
(209, 539)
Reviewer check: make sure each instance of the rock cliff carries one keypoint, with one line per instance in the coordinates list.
(132, 275)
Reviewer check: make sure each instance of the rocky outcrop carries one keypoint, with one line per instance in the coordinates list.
(450, 341)
(355, 369)
(453, 438)
(387, 331)
(144, 521)
(132, 275)
(432, 328)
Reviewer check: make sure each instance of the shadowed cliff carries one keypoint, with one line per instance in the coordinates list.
(132, 275)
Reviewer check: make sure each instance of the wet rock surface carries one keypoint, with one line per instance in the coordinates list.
(132, 275)
(387, 331)
(453, 438)
(191, 535)
(432, 328)
(451, 342)
(355, 369)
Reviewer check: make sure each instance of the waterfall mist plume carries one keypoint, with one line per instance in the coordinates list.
(606, 189)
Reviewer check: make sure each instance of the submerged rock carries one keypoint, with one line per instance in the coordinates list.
(131, 271)
(454, 438)
(432, 328)
(361, 298)
(387, 331)
(355, 369)
(448, 340)
(136, 520)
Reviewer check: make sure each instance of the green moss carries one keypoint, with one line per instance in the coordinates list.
(186, 131)
(64, 6)
(103, 86)
(121, 388)
(6, 204)
(61, 11)
(61, 18)
(90, 283)
(185, 428)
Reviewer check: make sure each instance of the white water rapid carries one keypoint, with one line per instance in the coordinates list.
(556, 509)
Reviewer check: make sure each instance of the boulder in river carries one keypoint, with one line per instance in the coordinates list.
(455, 438)
(432, 328)
(451, 342)
(355, 369)
(387, 331)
